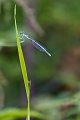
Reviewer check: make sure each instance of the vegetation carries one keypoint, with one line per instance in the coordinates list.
(55, 80)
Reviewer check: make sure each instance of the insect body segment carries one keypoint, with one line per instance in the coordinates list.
(36, 44)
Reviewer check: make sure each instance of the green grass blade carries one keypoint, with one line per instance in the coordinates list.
(16, 113)
(23, 66)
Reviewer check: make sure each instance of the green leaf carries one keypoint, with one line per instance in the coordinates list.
(23, 66)
(12, 113)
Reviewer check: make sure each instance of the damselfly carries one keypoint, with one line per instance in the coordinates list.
(35, 43)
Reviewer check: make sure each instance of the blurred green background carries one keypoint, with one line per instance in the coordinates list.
(55, 80)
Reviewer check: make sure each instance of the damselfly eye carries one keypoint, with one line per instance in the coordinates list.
(21, 35)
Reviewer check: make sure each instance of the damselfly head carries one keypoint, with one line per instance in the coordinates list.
(22, 37)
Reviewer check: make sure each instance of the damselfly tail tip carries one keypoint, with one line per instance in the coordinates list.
(48, 53)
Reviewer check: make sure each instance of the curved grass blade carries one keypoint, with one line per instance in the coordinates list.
(23, 66)
(16, 113)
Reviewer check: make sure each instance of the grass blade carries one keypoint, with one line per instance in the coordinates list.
(23, 66)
